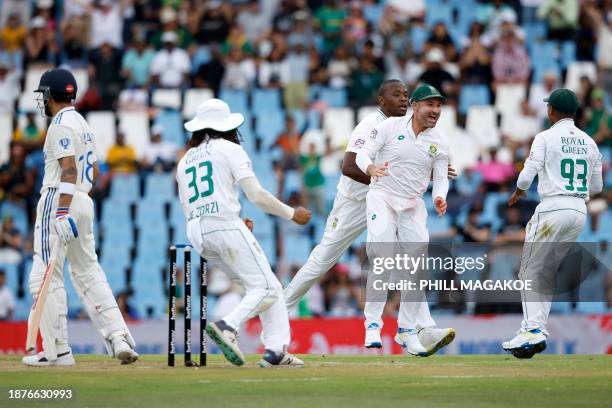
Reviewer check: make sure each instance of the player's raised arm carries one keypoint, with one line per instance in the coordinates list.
(350, 169)
(368, 152)
(440, 182)
(596, 182)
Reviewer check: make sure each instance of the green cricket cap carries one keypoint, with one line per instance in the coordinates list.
(563, 100)
(425, 91)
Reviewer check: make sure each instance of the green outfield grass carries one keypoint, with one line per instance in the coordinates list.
(336, 381)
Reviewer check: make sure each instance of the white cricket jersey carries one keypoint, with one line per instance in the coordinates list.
(69, 134)
(566, 160)
(347, 186)
(208, 177)
(411, 159)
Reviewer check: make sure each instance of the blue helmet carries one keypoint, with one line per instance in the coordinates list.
(57, 83)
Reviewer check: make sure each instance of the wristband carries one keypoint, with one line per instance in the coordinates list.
(67, 188)
(61, 211)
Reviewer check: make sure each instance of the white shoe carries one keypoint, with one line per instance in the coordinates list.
(40, 360)
(526, 343)
(372, 336)
(408, 339)
(123, 351)
(227, 340)
(284, 359)
(434, 339)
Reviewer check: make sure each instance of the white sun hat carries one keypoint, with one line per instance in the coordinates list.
(214, 114)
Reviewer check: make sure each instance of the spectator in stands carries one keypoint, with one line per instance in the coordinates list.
(10, 242)
(510, 61)
(211, 73)
(513, 230)
(329, 20)
(159, 156)
(436, 75)
(339, 67)
(274, 70)
(73, 42)
(295, 91)
(121, 158)
(9, 87)
(289, 142)
(254, 21)
(586, 35)
(16, 184)
(171, 65)
(9, 7)
(30, 135)
(598, 119)
(106, 21)
(494, 173)
(405, 10)
(7, 299)
(302, 30)
(397, 37)
(441, 39)
(314, 181)
(355, 25)
(13, 34)
(474, 230)
(237, 39)
(212, 22)
(561, 17)
(41, 44)
(475, 61)
(106, 65)
(240, 70)
(491, 14)
(370, 52)
(136, 62)
(341, 294)
(170, 23)
(365, 81)
(604, 62)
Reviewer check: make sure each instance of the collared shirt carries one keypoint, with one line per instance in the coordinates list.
(511, 65)
(347, 186)
(566, 160)
(411, 159)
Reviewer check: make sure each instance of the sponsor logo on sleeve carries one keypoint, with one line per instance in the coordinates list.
(433, 149)
(64, 143)
(359, 143)
(373, 134)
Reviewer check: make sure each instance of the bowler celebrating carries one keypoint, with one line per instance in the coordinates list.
(409, 149)
(569, 169)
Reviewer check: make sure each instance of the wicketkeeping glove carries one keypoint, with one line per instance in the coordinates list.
(65, 226)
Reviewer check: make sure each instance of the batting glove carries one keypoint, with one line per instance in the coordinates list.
(65, 226)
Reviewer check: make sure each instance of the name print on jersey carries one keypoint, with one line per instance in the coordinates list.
(574, 145)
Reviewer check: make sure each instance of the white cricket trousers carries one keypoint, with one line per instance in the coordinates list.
(86, 275)
(229, 244)
(345, 223)
(395, 224)
(556, 223)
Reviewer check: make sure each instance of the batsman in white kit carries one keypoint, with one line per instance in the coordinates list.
(208, 177)
(569, 168)
(410, 150)
(347, 219)
(64, 230)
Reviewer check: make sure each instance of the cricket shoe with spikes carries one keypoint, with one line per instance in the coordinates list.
(372, 336)
(40, 360)
(433, 339)
(123, 351)
(409, 339)
(284, 359)
(227, 340)
(526, 343)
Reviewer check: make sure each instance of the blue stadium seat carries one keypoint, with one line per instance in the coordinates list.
(160, 187)
(440, 13)
(269, 124)
(112, 249)
(264, 100)
(335, 98)
(17, 213)
(150, 211)
(179, 233)
(113, 210)
(125, 187)
(176, 213)
(473, 95)
(373, 12)
(235, 98)
(293, 181)
(200, 56)
(12, 277)
(172, 123)
(419, 35)
(534, 32)
(120, 233)
(568, 53)
(115, 268)
(437, 224)
(297, 249)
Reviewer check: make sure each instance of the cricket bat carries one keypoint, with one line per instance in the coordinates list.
(39, 302)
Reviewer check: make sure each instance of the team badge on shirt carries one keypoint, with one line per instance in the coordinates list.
(334, 223)
(373, 134)
(401, 137)
(64, 143)
(433, 149)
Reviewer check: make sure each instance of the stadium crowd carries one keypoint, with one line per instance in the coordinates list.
(316, 55)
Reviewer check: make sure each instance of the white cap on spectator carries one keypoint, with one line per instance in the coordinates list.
(167, 15)
(169, 37)
(214, 114)
(214, 4)
(157, 129)
(44, 4)
(435, 55)
(38, 22)
(508, 16)
(106, 3)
